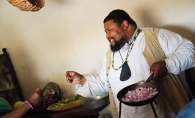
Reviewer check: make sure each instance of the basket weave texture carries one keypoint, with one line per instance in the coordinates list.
(28, 5)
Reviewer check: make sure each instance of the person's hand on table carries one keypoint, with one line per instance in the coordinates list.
(36, 97)
(74, 77)
(159, 69)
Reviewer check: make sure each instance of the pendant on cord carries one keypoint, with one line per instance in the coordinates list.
(125, 72)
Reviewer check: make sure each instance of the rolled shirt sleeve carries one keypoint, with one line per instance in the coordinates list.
(95, 85)
(179, 51)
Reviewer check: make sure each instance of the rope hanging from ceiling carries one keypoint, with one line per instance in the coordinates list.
(28, 5)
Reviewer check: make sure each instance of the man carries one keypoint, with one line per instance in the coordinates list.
(141, 53)
(6, 110)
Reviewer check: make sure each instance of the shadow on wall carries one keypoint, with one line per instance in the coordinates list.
(184, 32)
(148, 17)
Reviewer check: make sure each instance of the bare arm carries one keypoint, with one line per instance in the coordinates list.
(35, 98)
(18, 113)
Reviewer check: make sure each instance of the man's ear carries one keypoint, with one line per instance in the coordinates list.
(125, 24)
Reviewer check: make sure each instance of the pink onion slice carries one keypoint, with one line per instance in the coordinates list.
(139, 94)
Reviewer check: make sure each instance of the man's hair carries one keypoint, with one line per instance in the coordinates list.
(118, 16)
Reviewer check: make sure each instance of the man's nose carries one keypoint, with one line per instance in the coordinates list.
(107, 36)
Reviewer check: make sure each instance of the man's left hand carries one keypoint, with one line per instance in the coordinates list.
(159, 69)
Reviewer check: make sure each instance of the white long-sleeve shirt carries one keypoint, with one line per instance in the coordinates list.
(179, 54)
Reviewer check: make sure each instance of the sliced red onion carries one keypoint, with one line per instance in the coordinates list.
(139, 94)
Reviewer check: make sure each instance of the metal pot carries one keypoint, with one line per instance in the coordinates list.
(93, 103)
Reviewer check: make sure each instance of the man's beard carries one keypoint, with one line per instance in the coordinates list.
(118, 45)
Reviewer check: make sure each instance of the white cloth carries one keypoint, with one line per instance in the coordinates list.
(179, 54)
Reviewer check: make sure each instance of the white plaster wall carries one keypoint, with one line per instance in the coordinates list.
(69, 35)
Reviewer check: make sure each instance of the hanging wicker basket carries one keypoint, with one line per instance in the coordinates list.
(28, 5)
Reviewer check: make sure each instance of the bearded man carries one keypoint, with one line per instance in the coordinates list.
(135, 54)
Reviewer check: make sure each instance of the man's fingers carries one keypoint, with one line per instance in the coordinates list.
(66, 73)
(151, 71)
(155, 75)
(69, 79)
(72, 73)
(38, 90)
(69, 73)
(152, 68)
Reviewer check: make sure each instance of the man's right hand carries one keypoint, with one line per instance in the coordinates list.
(73, 77)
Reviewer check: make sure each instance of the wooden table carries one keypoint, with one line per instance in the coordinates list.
(77, 112)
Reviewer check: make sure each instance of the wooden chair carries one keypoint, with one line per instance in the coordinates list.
(9, 86)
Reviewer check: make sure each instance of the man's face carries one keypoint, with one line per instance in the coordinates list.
(115, 35)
